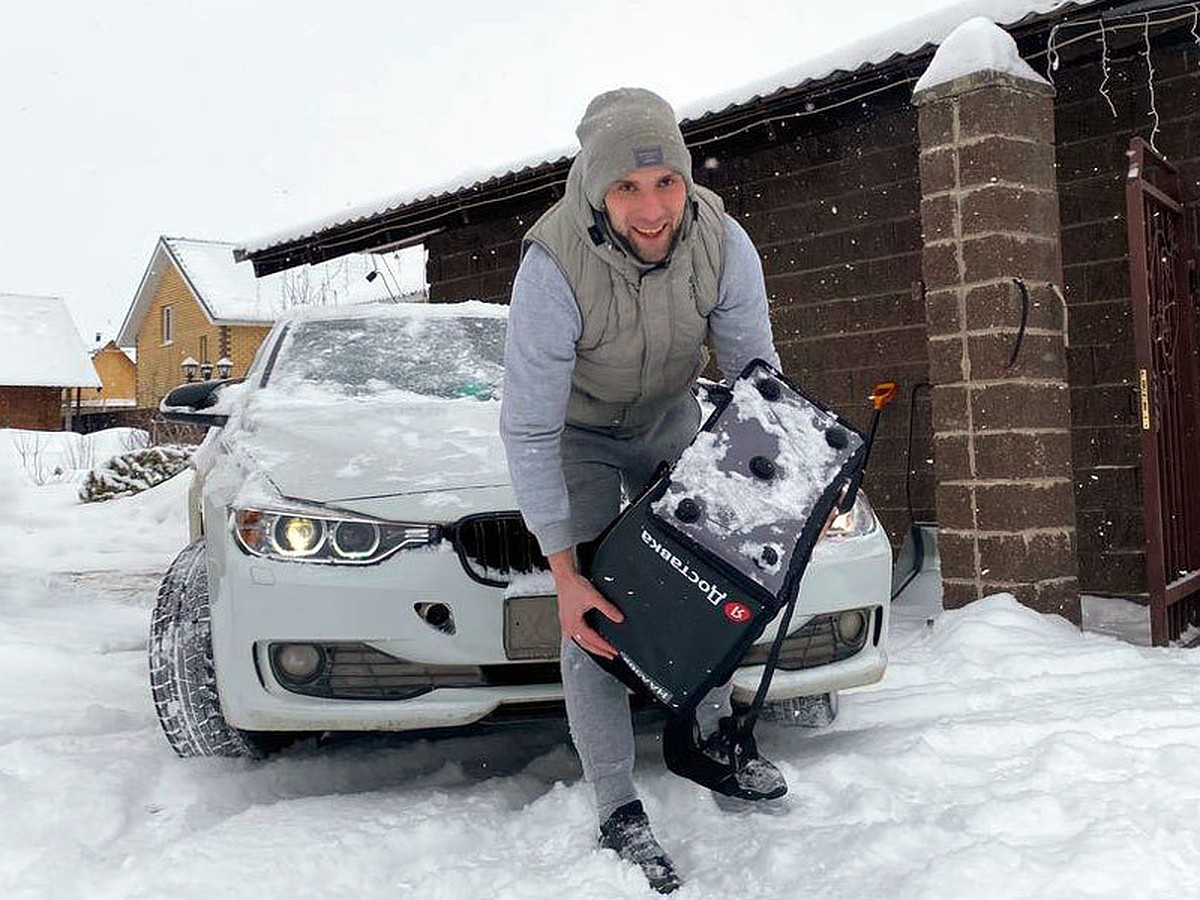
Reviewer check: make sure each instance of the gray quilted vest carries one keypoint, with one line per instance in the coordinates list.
(644, 325)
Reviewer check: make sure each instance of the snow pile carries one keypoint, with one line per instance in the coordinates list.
(976, 45)
(45, 527)
(135, 471)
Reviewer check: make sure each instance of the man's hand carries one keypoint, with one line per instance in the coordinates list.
(575, 597)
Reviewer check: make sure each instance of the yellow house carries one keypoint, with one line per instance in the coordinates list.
(196, 305)
(118, 375)
(191, 304)
(86, 409)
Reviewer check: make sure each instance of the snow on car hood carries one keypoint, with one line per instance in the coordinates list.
(340, 450)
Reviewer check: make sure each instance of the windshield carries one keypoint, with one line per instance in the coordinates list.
(436, 356)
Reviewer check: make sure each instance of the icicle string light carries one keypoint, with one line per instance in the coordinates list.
(1104, 69)
(1150, 84)
(1103, 26)
(1195, 22)
(1052, 53)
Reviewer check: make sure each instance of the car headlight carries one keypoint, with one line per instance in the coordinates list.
(857, 521)
(325, 539)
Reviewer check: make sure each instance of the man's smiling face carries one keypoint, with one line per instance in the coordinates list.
(646, 207)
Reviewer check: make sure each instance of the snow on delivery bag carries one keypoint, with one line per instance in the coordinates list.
(715, 546)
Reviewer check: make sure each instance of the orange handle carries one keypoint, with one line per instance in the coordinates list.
(884, 393)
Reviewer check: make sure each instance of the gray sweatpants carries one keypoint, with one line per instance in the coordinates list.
(599, 465)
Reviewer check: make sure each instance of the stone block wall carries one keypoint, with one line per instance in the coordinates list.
(1001, 404)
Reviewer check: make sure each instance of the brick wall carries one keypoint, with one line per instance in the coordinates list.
(1091, 175)
(240, 343)
(159, 364)
(31, 408)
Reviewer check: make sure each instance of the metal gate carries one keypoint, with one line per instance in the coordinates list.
(1163, 273)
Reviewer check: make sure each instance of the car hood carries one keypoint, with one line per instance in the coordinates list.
(368, 456)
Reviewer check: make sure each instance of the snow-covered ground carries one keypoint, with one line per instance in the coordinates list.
(1004, 755)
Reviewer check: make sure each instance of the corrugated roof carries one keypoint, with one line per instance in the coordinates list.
(42, 346)
(903, 40)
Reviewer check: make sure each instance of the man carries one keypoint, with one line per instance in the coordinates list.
(620, 284)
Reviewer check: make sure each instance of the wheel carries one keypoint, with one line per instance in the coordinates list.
(183, 681)
(816, 711)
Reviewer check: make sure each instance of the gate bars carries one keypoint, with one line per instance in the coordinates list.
(1162, 273)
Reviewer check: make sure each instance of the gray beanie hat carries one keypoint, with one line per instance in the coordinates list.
(624, 130)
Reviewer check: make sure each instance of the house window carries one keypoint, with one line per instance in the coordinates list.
(203, 348)
(168, 324)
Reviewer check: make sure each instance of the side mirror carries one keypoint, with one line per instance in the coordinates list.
(187, 403)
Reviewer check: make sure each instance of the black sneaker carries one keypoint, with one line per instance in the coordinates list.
(627, 831)
(726, 762)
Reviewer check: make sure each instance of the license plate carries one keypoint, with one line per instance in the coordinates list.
(531, 628)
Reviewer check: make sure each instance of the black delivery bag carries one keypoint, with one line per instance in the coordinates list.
(715, 546)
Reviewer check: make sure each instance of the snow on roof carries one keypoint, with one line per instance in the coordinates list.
(974, 46)
(231, 295)
(900, 40)
(903, 39)
(42, 347)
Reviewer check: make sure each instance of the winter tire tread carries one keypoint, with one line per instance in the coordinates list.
(183, 679)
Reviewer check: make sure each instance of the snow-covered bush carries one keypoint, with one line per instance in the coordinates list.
(134, 471)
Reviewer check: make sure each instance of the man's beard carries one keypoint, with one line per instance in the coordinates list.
(630, 245)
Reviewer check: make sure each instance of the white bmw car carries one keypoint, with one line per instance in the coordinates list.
(357, 562)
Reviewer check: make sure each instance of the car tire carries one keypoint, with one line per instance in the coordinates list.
(183, 680)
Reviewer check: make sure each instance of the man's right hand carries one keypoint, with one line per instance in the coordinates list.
(575, 597)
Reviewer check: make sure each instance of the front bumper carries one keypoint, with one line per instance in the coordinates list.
(256, 602)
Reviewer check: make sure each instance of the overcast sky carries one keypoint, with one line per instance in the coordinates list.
(231, 119)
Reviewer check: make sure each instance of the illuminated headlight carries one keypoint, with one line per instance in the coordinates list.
(857, 521)
(297, 536)
(321, 539)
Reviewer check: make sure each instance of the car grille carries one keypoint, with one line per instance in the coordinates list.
(353, 671)
(494, 547)
(818, 643)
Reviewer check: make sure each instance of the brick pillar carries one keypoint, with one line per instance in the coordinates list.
(1002, 444)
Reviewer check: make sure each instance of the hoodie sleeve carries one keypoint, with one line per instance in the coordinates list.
(539, 356)
(740, 325)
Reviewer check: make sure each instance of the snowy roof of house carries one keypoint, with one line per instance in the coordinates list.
(229, 293)
(902, 40)
(41, 346)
